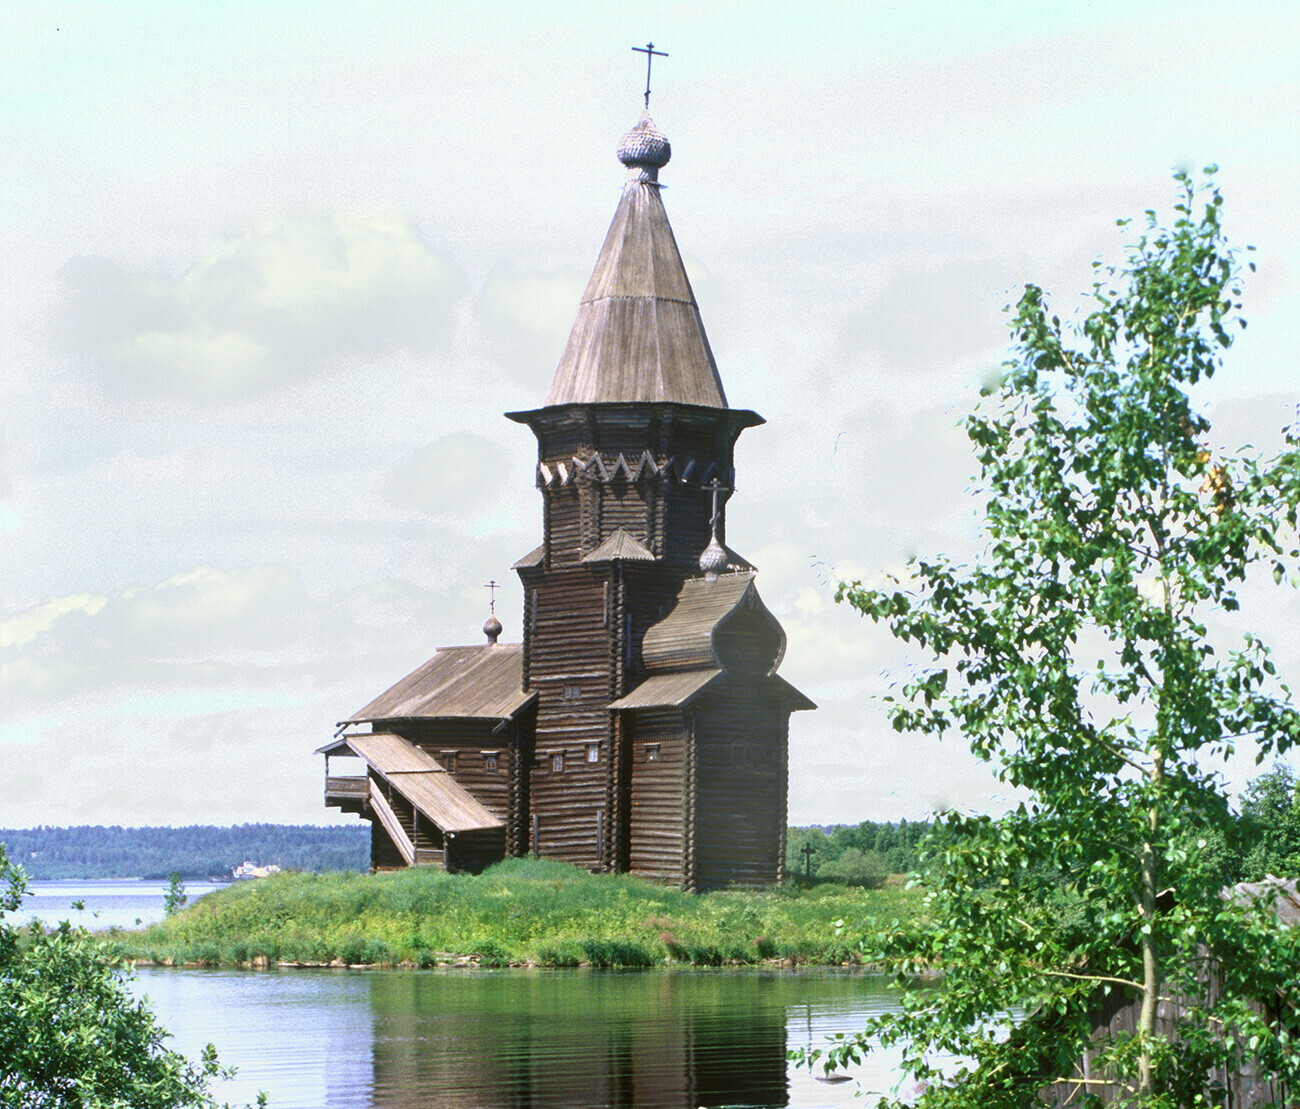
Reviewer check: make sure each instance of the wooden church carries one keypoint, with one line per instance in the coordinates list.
(640, 726)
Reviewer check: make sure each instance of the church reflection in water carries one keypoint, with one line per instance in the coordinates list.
(489, 1039)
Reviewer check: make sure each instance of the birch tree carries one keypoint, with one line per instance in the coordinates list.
(1074, 657)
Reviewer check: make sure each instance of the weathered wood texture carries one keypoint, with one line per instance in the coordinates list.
(657, 833)
(740, 786)
(569, 668)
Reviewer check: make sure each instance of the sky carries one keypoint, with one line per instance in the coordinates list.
(273, 272)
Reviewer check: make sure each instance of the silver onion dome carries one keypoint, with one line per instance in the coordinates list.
(644, 150)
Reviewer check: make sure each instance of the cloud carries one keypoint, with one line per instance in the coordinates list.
(203, 628)
(526, 319)
(26, 626)
(290, 299)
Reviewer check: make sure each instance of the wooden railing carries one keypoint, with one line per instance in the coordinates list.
(349, 787)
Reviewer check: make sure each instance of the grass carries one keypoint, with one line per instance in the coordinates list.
(521, 911)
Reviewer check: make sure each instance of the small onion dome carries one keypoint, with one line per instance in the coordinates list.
(492, 629)
(714, 559)
(644, 150)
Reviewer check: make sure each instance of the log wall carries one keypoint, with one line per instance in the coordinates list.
(740, 787)
(657, 751)
(569, 667)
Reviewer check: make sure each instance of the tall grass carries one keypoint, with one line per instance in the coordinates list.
(523, 910)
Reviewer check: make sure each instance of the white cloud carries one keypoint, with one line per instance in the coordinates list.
(292, 298)
(455, 474)
(26, 626)
(526, 318)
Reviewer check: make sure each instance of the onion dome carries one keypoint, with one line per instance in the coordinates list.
(492, 629)
(644, 150)
(714, 559)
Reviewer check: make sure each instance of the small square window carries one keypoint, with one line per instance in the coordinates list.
(557, 763)
(490, 761)
(652, 752)
(593, 752)
(572, 692)
(448, 759)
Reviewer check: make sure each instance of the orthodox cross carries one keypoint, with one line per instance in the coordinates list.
(808, 851)
(650, 55)
(492, 585)
(716, 487)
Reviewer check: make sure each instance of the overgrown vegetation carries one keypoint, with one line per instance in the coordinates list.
(863, 854)
(1075, 656)
(71, 1033)
(523, 910)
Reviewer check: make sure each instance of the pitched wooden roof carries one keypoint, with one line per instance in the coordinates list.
(620, 545)
(638, 335)
(667, 690)
(483, 683)
(418, 777)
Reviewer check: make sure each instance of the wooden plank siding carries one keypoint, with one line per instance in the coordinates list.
(657, 847)
(740, 787)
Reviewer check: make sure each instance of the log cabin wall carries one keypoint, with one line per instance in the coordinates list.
(740, 786)
(480, 761)
(569, 664)
(657, 750)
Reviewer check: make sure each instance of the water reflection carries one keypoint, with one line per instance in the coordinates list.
(489, 1038)
(507, 1039)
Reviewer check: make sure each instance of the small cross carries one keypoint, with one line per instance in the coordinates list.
(716, 486)
(650, 55)
(808, 851)
(492, 585)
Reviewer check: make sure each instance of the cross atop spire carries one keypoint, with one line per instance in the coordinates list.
(492, 626)
(650, 55)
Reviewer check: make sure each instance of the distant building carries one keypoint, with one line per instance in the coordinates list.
(641, 726)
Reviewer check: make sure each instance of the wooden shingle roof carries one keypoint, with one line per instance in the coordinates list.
(684, 639)
(638, 335)
(422, 780)
(484, 683)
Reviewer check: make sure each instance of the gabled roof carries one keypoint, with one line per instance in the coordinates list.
(484, 683)
(620, 545)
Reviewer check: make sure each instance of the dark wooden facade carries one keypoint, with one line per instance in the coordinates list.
(640, 726)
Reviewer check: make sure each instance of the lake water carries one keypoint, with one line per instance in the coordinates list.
(107, 903)
(475, 1038)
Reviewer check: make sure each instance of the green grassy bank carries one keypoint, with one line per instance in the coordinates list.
(522, 911)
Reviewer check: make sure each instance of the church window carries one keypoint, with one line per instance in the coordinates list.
(449, 761)
(557, 762)
(652, 752)
(593, 752)
(490, 761)
(572, 692)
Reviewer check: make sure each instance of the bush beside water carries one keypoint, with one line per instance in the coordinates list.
(521, 911)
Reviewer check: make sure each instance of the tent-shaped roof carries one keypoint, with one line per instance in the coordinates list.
(483, 683)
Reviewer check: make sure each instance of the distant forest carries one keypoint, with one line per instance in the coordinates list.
(198, 851)
(1264, 839)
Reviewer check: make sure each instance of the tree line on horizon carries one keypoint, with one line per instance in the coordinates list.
(1264, 840)
(197, 851)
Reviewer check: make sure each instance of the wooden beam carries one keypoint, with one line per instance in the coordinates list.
(392, 826)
